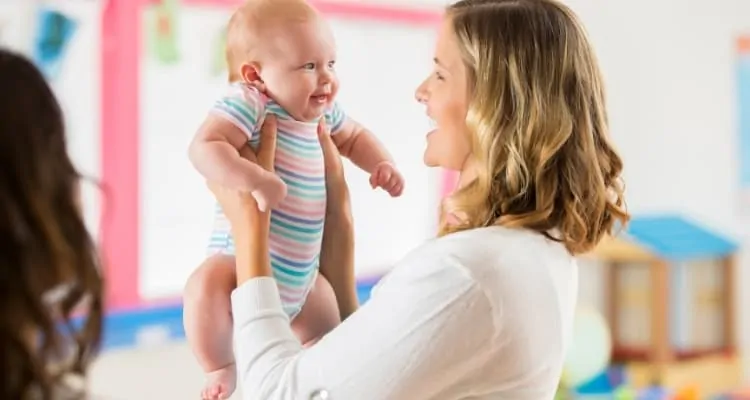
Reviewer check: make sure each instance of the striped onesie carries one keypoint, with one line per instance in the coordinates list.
(297, 222)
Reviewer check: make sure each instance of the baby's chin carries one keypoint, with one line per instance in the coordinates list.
(311, 113)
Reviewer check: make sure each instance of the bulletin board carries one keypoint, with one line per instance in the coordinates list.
(157, 87)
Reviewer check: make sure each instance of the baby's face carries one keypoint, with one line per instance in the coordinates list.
(299, 70)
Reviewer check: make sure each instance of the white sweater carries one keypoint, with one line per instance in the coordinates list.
(481, 314)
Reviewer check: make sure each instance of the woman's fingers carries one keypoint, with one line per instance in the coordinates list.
(331, 156)
(267, 148)
(338, 207)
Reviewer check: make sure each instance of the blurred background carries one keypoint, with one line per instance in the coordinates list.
(664, 308)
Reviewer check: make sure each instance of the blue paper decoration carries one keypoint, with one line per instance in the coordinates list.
(53, 36)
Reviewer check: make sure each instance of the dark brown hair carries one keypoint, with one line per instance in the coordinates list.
(49, 267)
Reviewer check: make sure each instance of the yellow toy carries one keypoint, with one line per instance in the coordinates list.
(688, 393)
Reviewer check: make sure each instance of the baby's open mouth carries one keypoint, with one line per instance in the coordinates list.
(320, 98)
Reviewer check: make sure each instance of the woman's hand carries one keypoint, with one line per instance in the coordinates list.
(337, 249)
(337, 192)
(249, 225)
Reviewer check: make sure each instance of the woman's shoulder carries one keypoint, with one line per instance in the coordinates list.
(504, 263)
(486, 254)
(496, 248)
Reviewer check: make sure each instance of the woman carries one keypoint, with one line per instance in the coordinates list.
(485, 310)
(48, 261)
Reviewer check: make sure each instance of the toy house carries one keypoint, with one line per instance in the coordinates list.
(670, 299)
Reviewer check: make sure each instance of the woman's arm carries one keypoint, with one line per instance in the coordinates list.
(337, 247)
(337, 260)
(251, 238)
(427, 325)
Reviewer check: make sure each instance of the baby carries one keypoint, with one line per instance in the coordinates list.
(288, 50)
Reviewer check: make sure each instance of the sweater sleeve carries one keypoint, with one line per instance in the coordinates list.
(425, 327)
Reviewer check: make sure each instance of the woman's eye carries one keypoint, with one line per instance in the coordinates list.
(439, 76)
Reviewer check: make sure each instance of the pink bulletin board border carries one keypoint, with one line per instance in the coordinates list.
(120, 126)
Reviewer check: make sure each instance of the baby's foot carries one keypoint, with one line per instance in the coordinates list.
(220, 384)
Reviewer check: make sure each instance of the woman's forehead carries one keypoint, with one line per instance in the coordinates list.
(446, 47)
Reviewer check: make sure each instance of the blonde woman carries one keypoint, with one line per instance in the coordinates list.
(484, 311)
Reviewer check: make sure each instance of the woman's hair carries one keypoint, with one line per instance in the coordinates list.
(538, 124)
(49, 267)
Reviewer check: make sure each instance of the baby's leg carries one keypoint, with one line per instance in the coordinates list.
(319, 314)
(208, 323)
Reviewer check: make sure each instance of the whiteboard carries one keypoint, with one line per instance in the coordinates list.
(377, 88)
(77, 87)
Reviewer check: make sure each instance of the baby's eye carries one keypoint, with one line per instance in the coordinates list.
(331, 64)
(309, 66)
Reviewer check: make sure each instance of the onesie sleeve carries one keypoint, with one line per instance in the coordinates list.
(244, 106)
(400, 345)
(335, 117)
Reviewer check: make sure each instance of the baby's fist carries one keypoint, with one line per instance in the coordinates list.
(387, 177)
(269, 193)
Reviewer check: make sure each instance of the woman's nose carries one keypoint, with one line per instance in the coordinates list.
(421, 94)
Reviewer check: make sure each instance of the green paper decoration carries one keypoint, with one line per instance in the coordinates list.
(164, 32)
(624, 393)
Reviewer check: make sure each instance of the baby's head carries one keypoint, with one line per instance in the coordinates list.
(288, 46)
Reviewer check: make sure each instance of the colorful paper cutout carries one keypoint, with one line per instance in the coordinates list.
(163, 32)
(54, 33)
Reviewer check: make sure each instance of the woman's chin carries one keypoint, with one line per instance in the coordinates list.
(430, 160)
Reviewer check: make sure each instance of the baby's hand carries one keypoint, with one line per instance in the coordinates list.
(386, 176)
(269, 193)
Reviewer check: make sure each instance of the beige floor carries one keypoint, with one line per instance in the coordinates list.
(157, 372)
(163, 372)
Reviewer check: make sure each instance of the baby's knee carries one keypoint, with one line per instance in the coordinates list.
(216, 277)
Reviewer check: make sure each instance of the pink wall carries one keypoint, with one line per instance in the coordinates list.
(121, 54)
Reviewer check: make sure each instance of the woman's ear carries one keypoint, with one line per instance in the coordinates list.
(250, 72)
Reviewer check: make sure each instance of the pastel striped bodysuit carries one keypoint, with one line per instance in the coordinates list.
(297, 222)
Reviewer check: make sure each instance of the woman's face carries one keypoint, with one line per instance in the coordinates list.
(446, 96)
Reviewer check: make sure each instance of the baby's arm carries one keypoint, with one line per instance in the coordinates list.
(358, 144)
(214, 152)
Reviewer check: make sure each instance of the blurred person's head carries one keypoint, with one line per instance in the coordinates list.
(289, 47)
(49, 267)
(518, 105)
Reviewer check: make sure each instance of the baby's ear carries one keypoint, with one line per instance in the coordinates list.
(250, 72)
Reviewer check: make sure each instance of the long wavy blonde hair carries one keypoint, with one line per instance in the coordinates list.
(538, 125)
